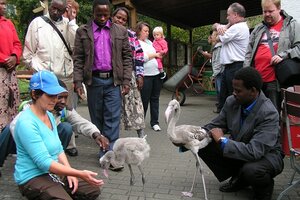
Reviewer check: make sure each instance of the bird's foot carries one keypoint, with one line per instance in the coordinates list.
(187, 194)
(132, 182)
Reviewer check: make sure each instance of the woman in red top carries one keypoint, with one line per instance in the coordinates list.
(10, 52)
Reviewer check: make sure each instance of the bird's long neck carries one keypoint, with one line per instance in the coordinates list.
(116, 162)
(172, 123)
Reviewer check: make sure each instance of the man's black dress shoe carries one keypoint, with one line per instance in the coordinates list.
(233, 185)
(72, 152)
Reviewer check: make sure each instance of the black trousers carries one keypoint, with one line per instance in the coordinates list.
(226, 81)
(258, 174)
(272, 91)
(150, 95)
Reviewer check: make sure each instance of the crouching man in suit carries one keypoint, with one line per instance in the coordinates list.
(251, 155)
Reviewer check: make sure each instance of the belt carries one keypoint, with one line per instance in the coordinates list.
(2, 65)
(233, 63)
(104, 75)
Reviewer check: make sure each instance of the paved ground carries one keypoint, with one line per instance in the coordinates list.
(168, 172)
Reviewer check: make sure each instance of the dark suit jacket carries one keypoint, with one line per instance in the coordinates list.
(83, 55)
(259, 135)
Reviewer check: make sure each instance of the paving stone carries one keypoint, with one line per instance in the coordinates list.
(167, 171)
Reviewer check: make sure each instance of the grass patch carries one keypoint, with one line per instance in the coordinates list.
(24, 89)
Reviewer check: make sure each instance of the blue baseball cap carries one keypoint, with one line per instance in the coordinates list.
(47, 82)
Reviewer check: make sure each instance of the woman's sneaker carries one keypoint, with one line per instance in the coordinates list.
(156, 127)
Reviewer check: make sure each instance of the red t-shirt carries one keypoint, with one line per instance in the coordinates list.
(263, 55)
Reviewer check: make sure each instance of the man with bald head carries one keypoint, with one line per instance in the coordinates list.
(234, 38)
(45, 50)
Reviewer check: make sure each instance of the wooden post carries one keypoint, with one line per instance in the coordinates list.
(190, 48)
(133, 18)
(169, 39)
(45, 11)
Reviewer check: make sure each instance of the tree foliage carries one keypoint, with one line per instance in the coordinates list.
(23, 15)
(85, 11)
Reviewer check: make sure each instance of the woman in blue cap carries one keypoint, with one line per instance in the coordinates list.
(40, 155)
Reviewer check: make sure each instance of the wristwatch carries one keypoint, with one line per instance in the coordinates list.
(221, 139)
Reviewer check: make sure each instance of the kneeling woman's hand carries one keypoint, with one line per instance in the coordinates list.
(89, 177)
(73, 183)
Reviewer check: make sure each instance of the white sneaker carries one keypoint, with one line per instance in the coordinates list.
(156, 128)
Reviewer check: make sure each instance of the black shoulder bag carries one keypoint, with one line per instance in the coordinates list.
(46, 19)
(288, 70)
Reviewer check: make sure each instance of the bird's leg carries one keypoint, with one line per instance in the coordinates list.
(131, 180)
(132, 177)
(202, 175)
(190, 193)
(143, 180)
(197, 167)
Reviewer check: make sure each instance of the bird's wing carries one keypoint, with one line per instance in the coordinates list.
(135, 150)
(191, 136)
(190, 132)
(198, 132)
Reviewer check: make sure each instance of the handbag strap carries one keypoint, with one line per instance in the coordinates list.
(270, 42)
(46, 19)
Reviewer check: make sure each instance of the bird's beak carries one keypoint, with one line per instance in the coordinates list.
(167, 114)
(105, 173)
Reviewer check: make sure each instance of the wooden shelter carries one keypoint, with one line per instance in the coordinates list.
(186, 14)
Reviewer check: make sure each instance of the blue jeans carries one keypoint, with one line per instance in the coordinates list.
(7, 144)
(65, 132)
(150, 93)
(218, 81)
(104, 103)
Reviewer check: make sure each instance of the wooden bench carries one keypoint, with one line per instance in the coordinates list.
(24, 74)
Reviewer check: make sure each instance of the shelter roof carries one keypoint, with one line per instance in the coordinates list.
(191, 13)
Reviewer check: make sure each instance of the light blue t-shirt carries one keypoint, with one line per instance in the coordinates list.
(37, 146)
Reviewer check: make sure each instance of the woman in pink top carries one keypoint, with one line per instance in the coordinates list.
(161, 46)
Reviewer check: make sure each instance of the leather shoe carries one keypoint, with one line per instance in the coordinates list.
(233, 185)
(72, 152)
